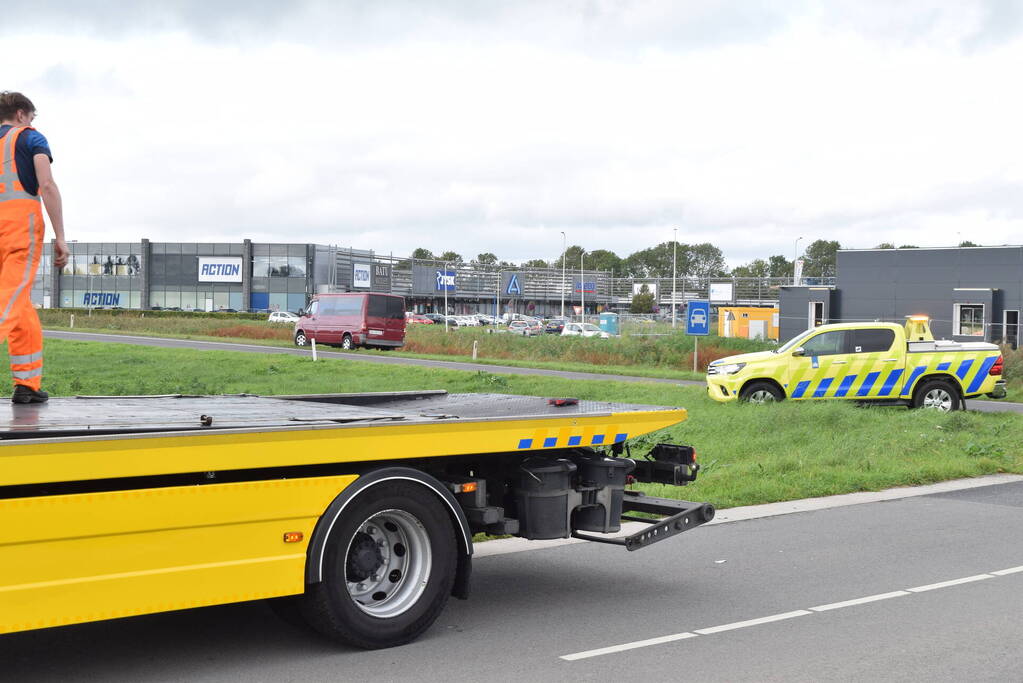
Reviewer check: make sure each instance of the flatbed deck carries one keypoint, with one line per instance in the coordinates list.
(125, 415)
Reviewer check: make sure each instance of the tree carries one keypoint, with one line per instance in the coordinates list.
(885, 245)
(655, 261)
(908, 246)
(486, 259)
(779, 266)
(819, 259)
(602, 259)
(423, 254)
(705, 260)
(536, 263)
(968, 243)
(755, 268)
(642, 301)
(572, 255)
(450, 257)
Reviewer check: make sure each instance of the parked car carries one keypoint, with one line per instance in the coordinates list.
(526, 328)
(417, 319)
(282, 317)
(584, 330)
(352, 320)
(435, 317)
(554, 326)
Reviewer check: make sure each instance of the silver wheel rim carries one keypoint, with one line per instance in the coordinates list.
(761, 396)
(387, 563)
(938, 399)
(346, 343)
(300, 340)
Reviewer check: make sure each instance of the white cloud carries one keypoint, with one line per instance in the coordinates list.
(394, 126)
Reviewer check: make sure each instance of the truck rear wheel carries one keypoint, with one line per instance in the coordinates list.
(938, 394)
(761, 392)
(388, 568)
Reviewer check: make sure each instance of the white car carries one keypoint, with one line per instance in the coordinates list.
(583, 330)
(282, 317)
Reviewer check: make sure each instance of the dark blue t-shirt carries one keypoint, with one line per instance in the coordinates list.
(29, 144)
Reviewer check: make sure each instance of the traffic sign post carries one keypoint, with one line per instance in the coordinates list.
(697, 324)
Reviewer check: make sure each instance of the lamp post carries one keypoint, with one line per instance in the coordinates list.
(674, 250)
(582, 289)
(795, 255)
(564, 254)
(444, 279)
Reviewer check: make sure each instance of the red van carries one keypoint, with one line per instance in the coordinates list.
(352, 320)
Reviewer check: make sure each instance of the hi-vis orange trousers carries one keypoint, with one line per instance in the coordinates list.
(21, 243)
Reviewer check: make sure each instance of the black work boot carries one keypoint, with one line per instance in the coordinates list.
(23, 394)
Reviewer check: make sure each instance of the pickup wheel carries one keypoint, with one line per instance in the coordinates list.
(388, 568)
(760, 392)
(346, 342)
(301, 339)
(938, 394)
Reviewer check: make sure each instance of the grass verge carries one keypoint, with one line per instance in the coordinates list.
(749, 454)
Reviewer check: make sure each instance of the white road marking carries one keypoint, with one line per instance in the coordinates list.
(627, 646)
(786, 615)
(1011, 570)
(858, 601)
(752, 622)
(953, 582)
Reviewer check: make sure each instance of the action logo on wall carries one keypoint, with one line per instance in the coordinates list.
(220, 269)
(361, 275)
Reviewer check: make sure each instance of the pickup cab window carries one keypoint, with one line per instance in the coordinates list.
(826, 344)
(872, 341)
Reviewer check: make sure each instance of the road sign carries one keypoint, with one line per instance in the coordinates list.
(698, 318)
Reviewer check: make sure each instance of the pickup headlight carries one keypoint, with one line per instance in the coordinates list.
(727, 369)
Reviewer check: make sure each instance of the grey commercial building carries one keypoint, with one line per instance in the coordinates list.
(970, 293)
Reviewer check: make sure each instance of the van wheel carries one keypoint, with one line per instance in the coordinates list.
(388, 568)
(346, 342)
(938, 394)
(760, 393)
(301, 339)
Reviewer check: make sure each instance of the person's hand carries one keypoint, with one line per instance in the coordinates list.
(60, 254)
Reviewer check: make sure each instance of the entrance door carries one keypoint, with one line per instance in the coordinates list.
(1010, 328)
(816, 318)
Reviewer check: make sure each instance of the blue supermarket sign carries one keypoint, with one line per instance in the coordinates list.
(587, 287)
(445, 280)
(101, 299)
(698, 318)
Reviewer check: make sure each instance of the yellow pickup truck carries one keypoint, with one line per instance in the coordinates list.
(878, 362)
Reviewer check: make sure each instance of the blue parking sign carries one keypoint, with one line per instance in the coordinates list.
(698, 317)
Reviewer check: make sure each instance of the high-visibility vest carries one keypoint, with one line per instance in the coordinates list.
(15, 202)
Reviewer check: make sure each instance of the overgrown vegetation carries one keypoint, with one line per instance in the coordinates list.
(749, 454)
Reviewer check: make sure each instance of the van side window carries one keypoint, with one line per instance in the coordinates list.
(314, 308)
(826, 344)
(872, 341)
(377, 307)
(347, 305)
(395, 308)
(327, 306)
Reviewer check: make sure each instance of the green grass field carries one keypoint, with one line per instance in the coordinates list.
(749, 454)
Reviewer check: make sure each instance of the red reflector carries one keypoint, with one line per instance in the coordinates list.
(694, 455)
(996, 369)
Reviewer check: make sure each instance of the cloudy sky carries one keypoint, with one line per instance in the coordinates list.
(495, 125)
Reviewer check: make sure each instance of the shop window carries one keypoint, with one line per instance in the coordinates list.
(968, 320)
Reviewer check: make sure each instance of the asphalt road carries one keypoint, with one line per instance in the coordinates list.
(985, 406)
(908, 589)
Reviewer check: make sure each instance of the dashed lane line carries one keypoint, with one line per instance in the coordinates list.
(787, 615)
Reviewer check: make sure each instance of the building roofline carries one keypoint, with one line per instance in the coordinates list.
(996, 246)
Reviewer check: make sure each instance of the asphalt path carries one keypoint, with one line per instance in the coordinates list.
(922, 588)
(163, 342)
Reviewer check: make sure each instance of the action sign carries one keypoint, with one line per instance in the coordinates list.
(698, 318)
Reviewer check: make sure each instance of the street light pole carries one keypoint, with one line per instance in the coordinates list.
(445, 281)
(564, 258)
(674, 250)
(795, 255)
(582, 289)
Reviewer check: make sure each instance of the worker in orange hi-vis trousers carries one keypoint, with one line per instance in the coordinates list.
(26, 183)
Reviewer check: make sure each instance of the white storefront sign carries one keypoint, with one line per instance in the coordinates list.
(220, 269)
(361, 275)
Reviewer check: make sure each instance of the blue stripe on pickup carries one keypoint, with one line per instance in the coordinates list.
(944, 366)
(822, 387)
(800, 389)
(575, 440)
(525, 443)
(917, 371)
(844, 387)
(964, 369)
(889, 384)
(868, 383)
(550, 442)
(981, 375)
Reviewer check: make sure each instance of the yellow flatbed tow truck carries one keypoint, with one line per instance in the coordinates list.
(354, 512)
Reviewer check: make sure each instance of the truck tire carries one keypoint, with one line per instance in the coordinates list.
(346, 342)
(388, 568)
(301, 339)
(938, 394)
(761, 392)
